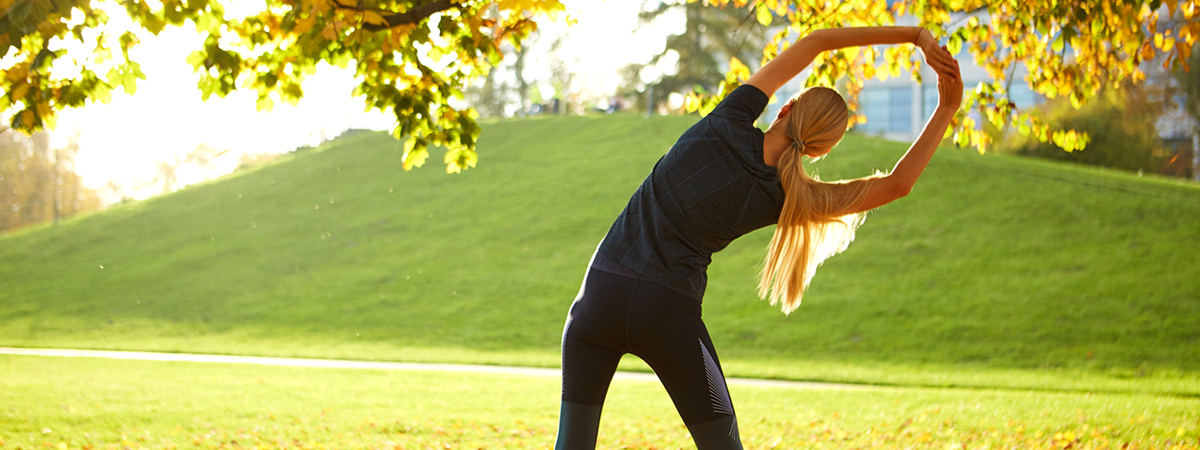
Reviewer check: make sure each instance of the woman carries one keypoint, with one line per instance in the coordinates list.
(724, 178)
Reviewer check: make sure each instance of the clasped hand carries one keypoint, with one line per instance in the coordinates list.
(950, 85)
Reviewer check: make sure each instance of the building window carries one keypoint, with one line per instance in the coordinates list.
(900, 109)
(1022, 96)
(930, 102)
(873, 102)
(888, 109)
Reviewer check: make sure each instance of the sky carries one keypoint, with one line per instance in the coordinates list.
(123, 139)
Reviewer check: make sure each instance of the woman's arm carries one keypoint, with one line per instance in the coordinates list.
(802, 53)
(900, 181)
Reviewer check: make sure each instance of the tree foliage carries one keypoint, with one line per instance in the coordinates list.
(1070, 48)
(1120, 123)
(411, 57)
(710, 37)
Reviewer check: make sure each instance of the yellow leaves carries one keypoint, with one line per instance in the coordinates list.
(738, 70)
(763, 14)
(28, 119)
(395, 38)
(1147, 52)
(43, 110)
(413, 157)
(1070, 140)
(460, 157)
(373, 18)
(305, 24)
(20, 90)
(329, 33)
(19, 72)
(547, 7)
(264, 104)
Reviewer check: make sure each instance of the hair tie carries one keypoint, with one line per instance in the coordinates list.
(798, 145)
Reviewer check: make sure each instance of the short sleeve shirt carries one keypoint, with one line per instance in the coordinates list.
(710, 188)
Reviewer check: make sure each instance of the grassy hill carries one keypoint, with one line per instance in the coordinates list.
(994, 266)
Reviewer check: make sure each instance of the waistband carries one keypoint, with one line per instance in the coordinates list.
(603, 263)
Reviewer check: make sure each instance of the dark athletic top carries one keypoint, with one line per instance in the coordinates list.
(709, 189)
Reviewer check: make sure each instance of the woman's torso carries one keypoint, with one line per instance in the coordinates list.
(709, 189)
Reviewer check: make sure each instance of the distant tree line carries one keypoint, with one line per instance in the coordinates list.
(38, 183)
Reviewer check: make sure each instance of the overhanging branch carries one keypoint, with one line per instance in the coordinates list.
(414, 15)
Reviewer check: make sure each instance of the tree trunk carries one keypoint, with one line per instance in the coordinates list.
(1196, 156)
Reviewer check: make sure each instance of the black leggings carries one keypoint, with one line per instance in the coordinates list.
(616, 314)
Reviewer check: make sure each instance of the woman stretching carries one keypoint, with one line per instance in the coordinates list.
(724, 178)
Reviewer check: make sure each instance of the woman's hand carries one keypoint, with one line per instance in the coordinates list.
(937, 57)
(950, 88)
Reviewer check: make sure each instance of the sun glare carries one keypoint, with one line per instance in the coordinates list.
(123, 140)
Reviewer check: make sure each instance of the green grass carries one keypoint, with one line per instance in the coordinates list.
(97, 403)
(996, 271)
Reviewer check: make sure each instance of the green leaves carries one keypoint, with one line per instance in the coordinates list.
(389, 43)
(126, 76)
(414, 156)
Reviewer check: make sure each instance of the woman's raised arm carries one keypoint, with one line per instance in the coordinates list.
(899, 182)
(796, 58)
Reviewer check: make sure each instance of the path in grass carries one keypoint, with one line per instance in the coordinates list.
(378, 365)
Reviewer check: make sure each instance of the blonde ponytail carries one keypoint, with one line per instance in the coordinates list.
(816, 221)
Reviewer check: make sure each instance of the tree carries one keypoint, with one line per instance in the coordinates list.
(1188, 85)
(1071, 48)
(38, 183)
(1120, 123)
(710, 37)
(411, 57)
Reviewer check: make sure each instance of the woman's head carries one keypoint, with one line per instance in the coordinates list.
(816, 120)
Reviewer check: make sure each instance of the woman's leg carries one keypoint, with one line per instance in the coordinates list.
(673, 340)
(593, 343)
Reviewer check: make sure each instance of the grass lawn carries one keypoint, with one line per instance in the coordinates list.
(109, 404)
(995, 272)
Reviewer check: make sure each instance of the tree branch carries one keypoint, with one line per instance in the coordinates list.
(411, 16)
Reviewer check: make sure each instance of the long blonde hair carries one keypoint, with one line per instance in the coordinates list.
(816, 221)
